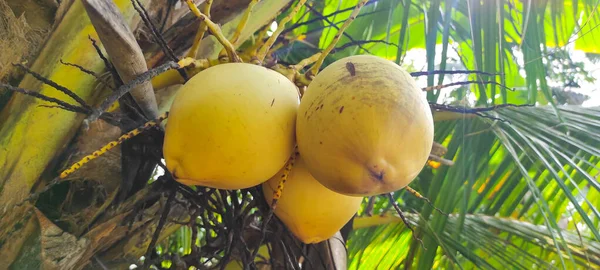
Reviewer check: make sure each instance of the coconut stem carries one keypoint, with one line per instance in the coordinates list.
(307, 61)
(201, 30)
(275, 48)
(286, 173)
(276, 195)
(441, 86)
(397, 208)
(238, 30)
(315, 68)
(418, 195)
(243, 22)
(441, 160)
(113, 144)
(260, 41)
(192, 67)
(216, 31)
(265, 47)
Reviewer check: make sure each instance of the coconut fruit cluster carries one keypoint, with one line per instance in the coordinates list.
(362, 128)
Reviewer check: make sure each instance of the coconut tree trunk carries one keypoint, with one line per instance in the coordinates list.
(33, 136)
(36, 140)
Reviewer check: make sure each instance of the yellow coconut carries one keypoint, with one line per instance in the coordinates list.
(364, 127)
(309, 210)
(231, 126)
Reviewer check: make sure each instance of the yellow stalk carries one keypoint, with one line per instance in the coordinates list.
(201, 30)
(253, 50)
(265, 47)
(238, 31)
(315, 69)
(216, 31)
(113, 144)
(279, 190)
(307, 61)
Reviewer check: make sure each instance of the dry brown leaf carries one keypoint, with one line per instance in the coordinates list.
(19, 40)
(59, 249)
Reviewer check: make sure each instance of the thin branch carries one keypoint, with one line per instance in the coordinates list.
(280, 26)
(434, 72)
(361, 42)
(337, 28)
(243, 22)
(107, 63)
(113, 144)
(216, 31)
(53, 107)
(263, 232)
(55, 86)
(161, 224)
(418, 195)
(100, 262)
(322, 17)
(438, 87)
(444, 107)
(315, 68)
(194, 228)
(107, 117)
(201, 30)
(441, 160)
(341, 22)
(124, 89)
(64, 105)
(89, 72)
(148, 22)
(476, 111)
(158, 37)
(397, 208)
(167, 14)
(342, 47)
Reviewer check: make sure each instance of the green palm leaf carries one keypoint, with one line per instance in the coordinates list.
(509, 200)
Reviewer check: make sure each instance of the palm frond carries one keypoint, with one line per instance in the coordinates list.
(513, 187)
(488, 242)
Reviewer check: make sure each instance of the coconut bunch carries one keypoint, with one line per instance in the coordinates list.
(316, 142)
(362, 127)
